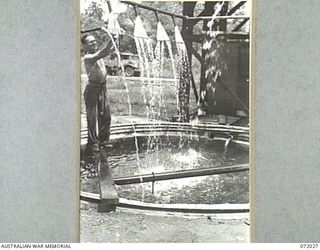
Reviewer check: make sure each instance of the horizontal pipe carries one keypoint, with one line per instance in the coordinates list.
(177, 125)
(146, 132)
(90, 30)
(157, 129)
(176, 129)
(180, 174)
(142, 134)
(180, 16)
(172, 129)
(192, 18)
(156, 10)
(154, 130)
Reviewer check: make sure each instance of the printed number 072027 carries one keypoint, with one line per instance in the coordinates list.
(312, 245)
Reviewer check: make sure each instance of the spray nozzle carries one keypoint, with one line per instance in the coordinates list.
(161, 33)
(139, 31)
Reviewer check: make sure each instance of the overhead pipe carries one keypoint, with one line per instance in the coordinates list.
(246, 18)
(180, 16)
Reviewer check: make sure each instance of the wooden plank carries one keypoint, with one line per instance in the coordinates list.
(246, 109)
(240, 25)
(90, 197)
(224, 11)
(196, 54)
(108, 193)
(235, 8)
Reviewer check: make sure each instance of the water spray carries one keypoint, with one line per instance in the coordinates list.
(114, 31)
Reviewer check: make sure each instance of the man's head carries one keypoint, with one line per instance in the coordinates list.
(89, 43)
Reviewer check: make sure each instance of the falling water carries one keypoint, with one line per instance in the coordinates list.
(183, 87)
(149, 89)
(114, 27)
(152, 65)
(145, 53)
(163, 49)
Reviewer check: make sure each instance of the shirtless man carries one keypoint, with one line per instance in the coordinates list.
(95, 95)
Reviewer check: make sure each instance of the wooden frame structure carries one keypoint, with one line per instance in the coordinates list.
(189, 20)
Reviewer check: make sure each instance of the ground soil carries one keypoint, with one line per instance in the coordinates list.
(136, 226)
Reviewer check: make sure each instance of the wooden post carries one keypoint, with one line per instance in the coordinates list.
(223, 22)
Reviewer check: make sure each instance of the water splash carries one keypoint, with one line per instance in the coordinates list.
(190, 157)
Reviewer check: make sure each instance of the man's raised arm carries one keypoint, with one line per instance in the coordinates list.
(105, 51)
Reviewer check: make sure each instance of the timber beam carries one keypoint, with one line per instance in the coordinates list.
(235, 8)
(240, 25)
